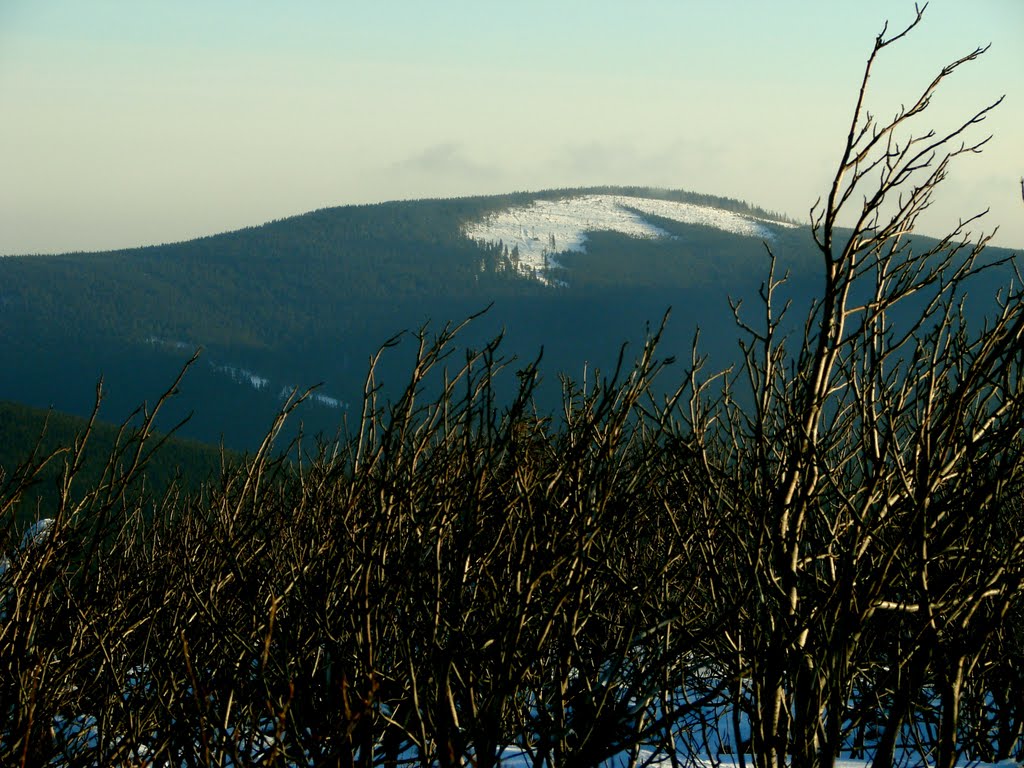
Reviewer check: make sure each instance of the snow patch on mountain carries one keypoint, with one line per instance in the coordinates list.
(243, 376)
(534, 234)
(248, 378)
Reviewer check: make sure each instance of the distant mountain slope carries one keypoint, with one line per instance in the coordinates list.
(264, 286)
(188, 462)
(308, 299)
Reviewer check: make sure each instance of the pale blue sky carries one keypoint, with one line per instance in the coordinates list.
(135, 122)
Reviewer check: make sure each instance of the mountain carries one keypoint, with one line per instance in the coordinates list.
(308, 299)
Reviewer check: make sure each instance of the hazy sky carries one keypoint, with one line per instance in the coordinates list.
(129, 122)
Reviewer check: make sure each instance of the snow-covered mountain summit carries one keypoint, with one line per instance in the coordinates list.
(536, 233)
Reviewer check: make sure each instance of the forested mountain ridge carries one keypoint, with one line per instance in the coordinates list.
(238, 281)
(308, 299)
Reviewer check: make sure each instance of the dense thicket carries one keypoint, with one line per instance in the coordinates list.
(460, 578)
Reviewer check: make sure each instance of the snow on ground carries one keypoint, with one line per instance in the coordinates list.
(246, 377)
(173, 344)
(243, 376)
(330, 402)
(36, 534)
(287, 392)
(536, 233)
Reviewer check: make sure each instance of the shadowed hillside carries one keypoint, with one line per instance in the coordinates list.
(31, 433)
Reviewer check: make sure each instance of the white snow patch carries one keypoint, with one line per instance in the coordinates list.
(330, 402)
(172, 343)
(536, 233)
(315, 397)
(244, 376)
(247, 377)
(36, 534)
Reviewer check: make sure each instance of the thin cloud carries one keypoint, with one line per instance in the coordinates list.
(445, 160)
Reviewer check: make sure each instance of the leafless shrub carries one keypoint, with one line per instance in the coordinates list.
(867, 485)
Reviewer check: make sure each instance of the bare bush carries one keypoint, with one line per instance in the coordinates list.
(867, 482)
